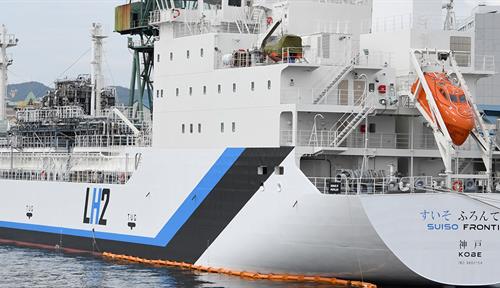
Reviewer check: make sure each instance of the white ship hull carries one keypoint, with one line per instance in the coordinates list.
(208, 207)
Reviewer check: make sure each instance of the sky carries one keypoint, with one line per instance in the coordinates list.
(54, 34)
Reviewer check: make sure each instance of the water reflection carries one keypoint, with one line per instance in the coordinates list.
(24, 267)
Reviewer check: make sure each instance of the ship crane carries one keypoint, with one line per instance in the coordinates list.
(133, 19)
(424, 62)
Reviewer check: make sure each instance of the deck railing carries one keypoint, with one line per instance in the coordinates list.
(324, 138)
(101, 177)
(394, 185)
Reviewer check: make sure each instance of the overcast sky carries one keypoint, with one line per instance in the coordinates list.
(54, 34)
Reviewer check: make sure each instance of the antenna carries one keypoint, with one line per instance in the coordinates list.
(450, 21)
(6, 41)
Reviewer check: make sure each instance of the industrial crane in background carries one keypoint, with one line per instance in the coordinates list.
(133, 19)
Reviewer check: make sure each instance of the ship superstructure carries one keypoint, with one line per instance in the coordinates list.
(285, 138)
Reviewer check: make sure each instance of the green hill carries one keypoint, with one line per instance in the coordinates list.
(18, 92)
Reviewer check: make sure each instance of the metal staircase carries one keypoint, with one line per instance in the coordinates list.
(256, 18)
(349, 121)
(339, 76)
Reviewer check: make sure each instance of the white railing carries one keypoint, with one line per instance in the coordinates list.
(292, 55)
(308, 96)
(374, 59)
(97, 141)
(375, 140)
(393, 185)
(484, 63)
(392, 23)
(112, 141)
(102, 177)
(348, 2)
(37, 115)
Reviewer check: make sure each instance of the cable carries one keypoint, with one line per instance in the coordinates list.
(70, 66)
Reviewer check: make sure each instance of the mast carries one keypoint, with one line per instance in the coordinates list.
(97, 77)
(6, 41)
(450, 21)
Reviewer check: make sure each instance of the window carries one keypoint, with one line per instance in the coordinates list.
(268, 84)
(233, 127)
(176, 91)
(252, 86)
(183, 128)
(279, 170)
(222, 127)
(204, 90)
(262, 170)
(161, 93)
(199, 128)
(236, 3)
(157, 93)
(187, 54)
(372, 128)
(234, 87)
(201, 52)
(190, 91)
(158, 58)
(191, 128)
(219, 89)
(171, 56)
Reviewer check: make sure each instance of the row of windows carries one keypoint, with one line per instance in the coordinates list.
(188, 55)
(159, 93)
(191, 128)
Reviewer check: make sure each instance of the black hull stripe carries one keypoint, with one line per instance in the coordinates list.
(206, 223)
(228, 197)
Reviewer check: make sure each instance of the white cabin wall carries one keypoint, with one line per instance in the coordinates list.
(408, 39)
(256, 113)
(309, 17)
(397, 43)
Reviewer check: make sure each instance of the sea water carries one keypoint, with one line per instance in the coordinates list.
(31, 268)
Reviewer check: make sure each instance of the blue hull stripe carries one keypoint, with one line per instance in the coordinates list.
(187, 208)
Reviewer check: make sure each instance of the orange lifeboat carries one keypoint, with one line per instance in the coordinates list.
(455, 110)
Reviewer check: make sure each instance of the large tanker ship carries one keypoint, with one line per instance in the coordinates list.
(285, 138)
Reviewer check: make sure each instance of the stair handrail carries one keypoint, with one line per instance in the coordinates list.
(360, 102)
(323, 82)
(335, 80)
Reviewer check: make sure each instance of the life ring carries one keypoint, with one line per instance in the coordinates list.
(470, 185)
(269, 20)
(437, 184)
(457, 186)
(497, 186)
(419, 183)
(393, 185)
(176, 13)
(404, 187)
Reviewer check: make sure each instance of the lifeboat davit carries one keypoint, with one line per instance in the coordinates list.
(450, 99)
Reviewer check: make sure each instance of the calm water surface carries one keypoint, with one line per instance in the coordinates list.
(25, 267)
